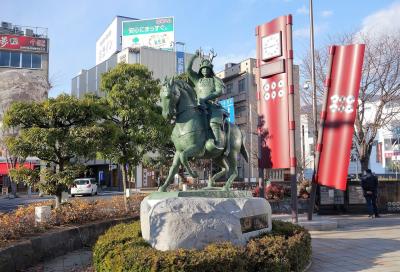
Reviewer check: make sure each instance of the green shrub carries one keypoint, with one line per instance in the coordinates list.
(286, 248)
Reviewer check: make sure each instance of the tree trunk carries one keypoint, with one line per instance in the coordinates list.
(364, 163)
(124, 179)
(57, 200)
(58, 195)
(13, 188)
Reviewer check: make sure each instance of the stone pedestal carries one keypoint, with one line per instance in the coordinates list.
(192, 219)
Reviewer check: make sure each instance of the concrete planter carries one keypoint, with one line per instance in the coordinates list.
(55, 243)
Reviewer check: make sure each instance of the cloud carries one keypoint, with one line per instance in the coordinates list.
(326, 13)
(384, 21)
(302, 10)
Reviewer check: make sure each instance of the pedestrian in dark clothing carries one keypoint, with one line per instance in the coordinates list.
(369, 183)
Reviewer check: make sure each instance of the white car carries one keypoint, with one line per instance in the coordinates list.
(84, 186)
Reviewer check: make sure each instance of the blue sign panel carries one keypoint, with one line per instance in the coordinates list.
(228, 105)
(180, 62)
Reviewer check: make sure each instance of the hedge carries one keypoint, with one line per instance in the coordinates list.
(286, 248)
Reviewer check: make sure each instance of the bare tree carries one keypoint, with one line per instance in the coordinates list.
(379, 96)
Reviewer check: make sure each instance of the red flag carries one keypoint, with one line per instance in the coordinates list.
(273, 52)
(343, 86)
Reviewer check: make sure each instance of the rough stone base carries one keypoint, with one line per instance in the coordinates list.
(193, 222)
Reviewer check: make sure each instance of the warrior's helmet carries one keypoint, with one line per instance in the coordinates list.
(206, 63)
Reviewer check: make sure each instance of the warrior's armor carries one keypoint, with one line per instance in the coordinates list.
(208, 88)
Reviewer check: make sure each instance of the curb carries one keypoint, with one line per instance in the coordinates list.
(53, 244)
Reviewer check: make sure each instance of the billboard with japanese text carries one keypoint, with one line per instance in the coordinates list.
(26, 43)
(107, 44)
(180, 62)
(229, 106)
(156, 33)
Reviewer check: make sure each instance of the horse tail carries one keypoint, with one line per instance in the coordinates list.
(243, 149)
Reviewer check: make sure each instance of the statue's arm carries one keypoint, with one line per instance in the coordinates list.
(219, 90)
(189, 70)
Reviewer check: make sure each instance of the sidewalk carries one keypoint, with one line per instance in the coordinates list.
(358, 244)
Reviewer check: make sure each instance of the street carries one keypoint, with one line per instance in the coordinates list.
(10, 204)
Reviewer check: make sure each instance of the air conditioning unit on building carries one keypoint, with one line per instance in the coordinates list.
(6, 25)
(230, 65)
(18, 31)
(28, 32)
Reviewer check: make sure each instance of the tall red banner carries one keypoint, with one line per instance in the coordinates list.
(343, 87)
(273, 51)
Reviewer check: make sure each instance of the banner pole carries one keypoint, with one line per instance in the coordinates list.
(292, 125)
(318, 146)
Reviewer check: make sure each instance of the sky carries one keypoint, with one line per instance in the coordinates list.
(227, 26)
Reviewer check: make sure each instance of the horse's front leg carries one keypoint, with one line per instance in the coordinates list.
(190, 152)
(172, 171)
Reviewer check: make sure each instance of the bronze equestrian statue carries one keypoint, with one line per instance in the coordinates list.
(200, 130)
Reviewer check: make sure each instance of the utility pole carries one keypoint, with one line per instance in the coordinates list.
(251, 141)
(314, 106)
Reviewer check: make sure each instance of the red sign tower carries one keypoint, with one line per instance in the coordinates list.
(275, 95)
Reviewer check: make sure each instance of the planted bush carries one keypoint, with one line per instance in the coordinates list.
(286, 248)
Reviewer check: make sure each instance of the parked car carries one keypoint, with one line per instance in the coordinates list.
(84, 186)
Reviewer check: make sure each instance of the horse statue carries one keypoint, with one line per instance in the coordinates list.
(191, 134)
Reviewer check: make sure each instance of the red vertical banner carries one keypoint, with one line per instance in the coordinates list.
(343, 86)
(273, 52)
(379, 153)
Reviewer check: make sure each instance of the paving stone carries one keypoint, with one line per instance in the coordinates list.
(359, 244)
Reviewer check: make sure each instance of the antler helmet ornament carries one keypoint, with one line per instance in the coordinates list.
(207, 62)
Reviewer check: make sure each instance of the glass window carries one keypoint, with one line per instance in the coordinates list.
(4, 58)
(242, 85)
(26, 60)
(15, 59)
(36, 61)
(240, 109)
(229, 88)
(388, 144)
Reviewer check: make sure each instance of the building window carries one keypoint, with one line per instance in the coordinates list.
(388, 144)
(4, 58)
(242, 85)
(20, 60)
(15, 59)
(239, 111)
(26, 60)
(36, 61)
(229, 88)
